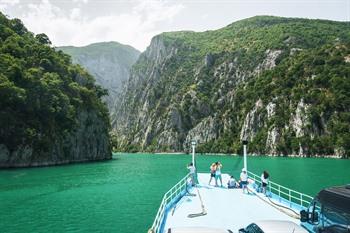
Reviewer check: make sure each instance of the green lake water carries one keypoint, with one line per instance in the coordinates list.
(123, 195)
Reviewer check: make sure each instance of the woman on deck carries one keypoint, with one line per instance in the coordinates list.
(218, 173)
(212, 172)
(264, 181)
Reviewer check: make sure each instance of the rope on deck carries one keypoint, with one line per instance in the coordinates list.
(275, 205)
(204, 212)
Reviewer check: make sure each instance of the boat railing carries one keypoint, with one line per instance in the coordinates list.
(169, 198)
(289, 195)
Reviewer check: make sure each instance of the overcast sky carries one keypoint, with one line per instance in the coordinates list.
(135, 22)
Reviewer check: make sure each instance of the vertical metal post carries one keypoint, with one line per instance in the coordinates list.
(290, 198)
(279, 192)
(194, 176)
(193, 151)
(301, 199)
(245, 142)
(245, 156)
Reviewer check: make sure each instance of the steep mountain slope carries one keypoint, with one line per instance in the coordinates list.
(108, 62)
(281, 83)
(50, 110)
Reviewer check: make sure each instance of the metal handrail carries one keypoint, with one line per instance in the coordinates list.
(281, 191)
(168, 197)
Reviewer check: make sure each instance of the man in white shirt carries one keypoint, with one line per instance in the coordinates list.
(244, 180)
(192, 173)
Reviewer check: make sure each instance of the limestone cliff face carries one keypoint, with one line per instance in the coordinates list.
(108, 62)
(137, 118)
(220, 87)
(89, 141)
(155, 123)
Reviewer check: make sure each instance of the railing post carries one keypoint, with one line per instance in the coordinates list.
(279, 192)
(290, 203)
(301, 200)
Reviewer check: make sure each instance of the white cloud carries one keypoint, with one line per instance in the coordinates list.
(9, 2)
(81, 1)
(75, 14)
(135, 27)
(4, 4)
(135, 22)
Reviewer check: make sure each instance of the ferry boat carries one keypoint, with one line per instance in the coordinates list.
(204, 208)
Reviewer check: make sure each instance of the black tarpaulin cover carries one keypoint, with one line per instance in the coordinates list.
(337, 197)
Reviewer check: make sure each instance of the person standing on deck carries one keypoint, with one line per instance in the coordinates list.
(244, 180)
(192, 173)
(218, 173)
(212, 172)
(264, 181)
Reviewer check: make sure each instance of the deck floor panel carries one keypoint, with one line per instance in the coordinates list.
(226, 208)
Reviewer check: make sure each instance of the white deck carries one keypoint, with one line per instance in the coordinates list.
(226, 208)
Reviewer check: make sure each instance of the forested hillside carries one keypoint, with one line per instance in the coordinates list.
(281, 83)
(50, 110)
(108, 62)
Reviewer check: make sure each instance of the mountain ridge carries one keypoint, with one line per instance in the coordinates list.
(187, 85)
(108, 62)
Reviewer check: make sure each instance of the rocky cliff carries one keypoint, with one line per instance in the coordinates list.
(281, 83)
(108, 62)
(50, 110)
(87, 142)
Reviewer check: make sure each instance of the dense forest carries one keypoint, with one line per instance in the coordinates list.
(281, 83)
(45, 103)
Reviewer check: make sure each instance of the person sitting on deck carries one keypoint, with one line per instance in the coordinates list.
(231, 184)
(192, 173)
(244, 180)
(212, 172)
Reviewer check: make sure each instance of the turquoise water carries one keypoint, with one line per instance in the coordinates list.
(123, 195)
